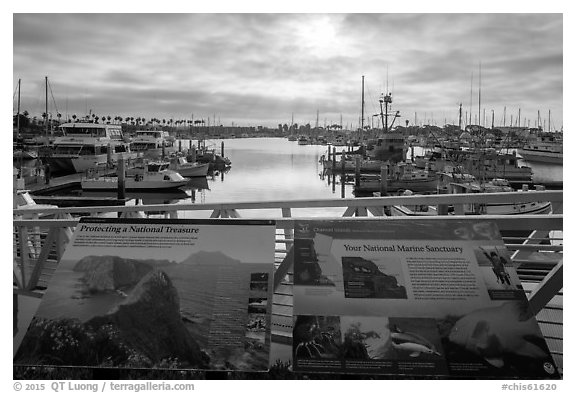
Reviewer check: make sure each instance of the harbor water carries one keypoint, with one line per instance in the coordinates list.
(268, 170)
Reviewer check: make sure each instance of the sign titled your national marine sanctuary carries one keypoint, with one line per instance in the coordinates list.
(158, 293)
(412, 298)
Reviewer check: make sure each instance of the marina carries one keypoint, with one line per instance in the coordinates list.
(283, 211)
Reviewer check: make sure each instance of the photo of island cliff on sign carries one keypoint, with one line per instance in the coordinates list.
(186, 303)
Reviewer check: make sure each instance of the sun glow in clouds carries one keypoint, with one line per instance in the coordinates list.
(319, 36)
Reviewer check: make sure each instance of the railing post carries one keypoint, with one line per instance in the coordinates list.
(288, 233)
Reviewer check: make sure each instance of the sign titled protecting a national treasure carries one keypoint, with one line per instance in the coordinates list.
(158, 293)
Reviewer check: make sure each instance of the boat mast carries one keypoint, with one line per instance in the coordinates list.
(46, 83)
(479, 88)
(471, 81)
(18, 111)
(362, 125)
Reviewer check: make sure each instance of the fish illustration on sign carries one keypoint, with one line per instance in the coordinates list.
(492, 333)
(412, 343)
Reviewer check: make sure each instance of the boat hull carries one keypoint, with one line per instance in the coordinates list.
(198, 170)
(540, 156)
(369, 186)
(488, 209)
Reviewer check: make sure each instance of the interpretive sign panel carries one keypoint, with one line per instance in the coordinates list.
(418, 297)
(189, 294)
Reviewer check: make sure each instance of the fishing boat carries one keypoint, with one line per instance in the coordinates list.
(482, 163)
(463, 183)
(366, 165)
(216, 161)
(490, 164)
(87, 145)
(154, 175)
(547, 148)
(400, 176)
(189, 169)
(153, 144)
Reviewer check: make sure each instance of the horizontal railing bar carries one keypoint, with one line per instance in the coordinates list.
(499, 197)
(505, 222)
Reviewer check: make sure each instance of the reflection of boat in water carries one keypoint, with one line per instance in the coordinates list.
(147, 197)
(197, 183)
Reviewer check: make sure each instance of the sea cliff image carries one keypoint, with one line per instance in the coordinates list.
(155, 316)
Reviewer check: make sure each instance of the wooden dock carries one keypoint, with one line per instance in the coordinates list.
(41, 187)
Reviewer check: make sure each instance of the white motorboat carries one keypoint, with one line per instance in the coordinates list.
(88, 145)
(189, 169)
(154, 176)
(153, 144)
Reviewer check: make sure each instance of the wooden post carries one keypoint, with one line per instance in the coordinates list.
(179, 146)
(343, 177)
(121, 178)
(357, 170)
(442, 209)
(384, 180)
(334, 161)
(191, 155)
(109, 156)
(222, 149)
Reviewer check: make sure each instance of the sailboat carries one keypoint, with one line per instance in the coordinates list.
(20, 151)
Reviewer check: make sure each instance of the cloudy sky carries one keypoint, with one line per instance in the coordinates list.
(262, 69)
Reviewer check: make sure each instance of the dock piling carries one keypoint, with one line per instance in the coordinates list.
(121, 179)
(384, 180)
(343, 177)
(357, 171)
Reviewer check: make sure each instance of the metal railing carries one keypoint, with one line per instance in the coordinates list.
(40, 237)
